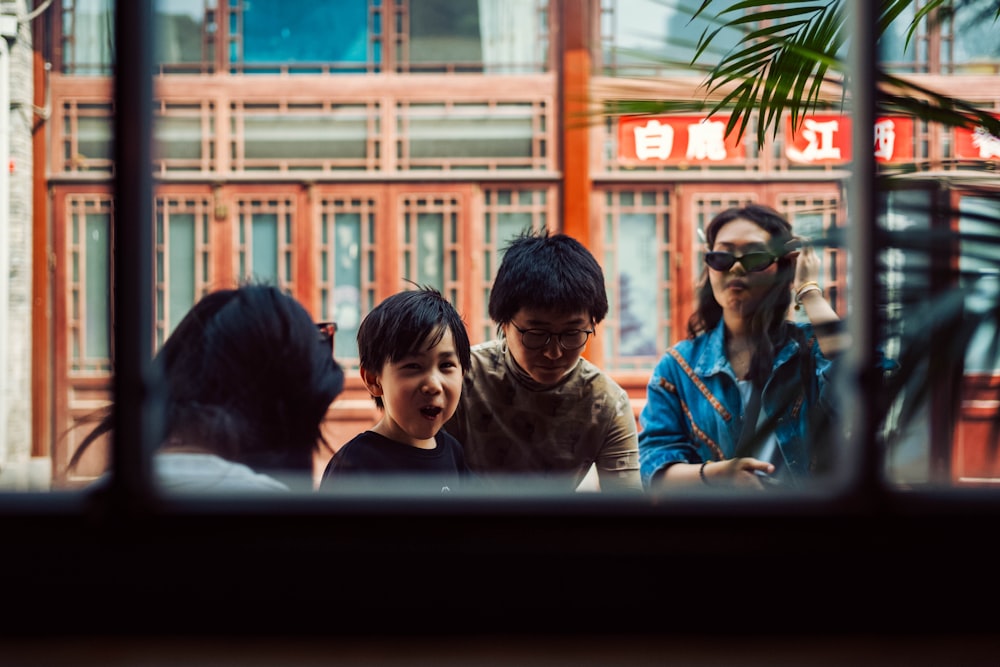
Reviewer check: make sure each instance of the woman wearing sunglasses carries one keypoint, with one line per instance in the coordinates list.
(737, 403)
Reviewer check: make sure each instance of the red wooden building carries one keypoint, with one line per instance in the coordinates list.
(338, 155)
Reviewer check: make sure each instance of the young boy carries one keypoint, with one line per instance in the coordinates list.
(532, 407)
(414, 352)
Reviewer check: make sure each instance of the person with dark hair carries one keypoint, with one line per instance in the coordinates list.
(247, 379)
(745, 365)
(533, 409)
(413, 351)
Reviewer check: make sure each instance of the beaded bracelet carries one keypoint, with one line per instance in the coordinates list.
(701, 473)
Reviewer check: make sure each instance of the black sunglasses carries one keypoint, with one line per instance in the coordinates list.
(752, 261)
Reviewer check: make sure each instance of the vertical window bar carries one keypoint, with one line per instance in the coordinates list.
(861, 199)
(137, 420)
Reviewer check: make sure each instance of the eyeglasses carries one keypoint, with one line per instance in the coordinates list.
(326, 333)
(752, 261)
(536, 339)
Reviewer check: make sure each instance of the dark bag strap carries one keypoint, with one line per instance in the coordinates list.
(750, 417)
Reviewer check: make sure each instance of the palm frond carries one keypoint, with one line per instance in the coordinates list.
(778, 50)
(797, 67)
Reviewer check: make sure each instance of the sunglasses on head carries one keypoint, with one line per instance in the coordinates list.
(751, 261)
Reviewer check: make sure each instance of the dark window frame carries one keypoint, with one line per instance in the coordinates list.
(865, 561)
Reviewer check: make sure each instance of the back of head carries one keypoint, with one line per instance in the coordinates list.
(249, 378)
(408, 321)
(548, 272)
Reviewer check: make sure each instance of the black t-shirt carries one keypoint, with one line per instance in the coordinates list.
(372, 461)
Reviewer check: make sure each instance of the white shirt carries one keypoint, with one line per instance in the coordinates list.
(199, 473)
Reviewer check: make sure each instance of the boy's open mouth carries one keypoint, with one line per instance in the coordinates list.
(430, 411)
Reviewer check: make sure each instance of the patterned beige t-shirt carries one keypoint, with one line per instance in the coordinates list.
(510, 424)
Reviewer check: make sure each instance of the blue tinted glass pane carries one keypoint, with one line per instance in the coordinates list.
(347, 281)
(96, 316)
(181, 262)
(653, 33)
(979, 261)
(277, 31)
(430, 249)
(637, 263)
(510, 225)
(892, 45)
(264, 242)
(91, 24)
(446, 31)
(179, 26)
(975, 28)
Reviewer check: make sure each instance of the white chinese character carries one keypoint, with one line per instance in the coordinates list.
(988, 145)
(707, 140)
(820, 138)
(885, 139)
(653, 140)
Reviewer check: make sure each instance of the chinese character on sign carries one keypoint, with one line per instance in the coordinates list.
(894, 139)
(885, 138)
(707, 141)
(977, 144)
(827, 140)
(821, 144)
(653, 140)
(988, 145)
(677, 140)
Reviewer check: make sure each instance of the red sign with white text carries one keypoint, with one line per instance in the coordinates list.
(827, 140)
(894, 139)
(976, 144)
(677, 140)
(820, 139)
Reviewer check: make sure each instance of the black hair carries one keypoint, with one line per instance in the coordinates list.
(406, 321)
(547, 272)
(248, 377)
(768, 324)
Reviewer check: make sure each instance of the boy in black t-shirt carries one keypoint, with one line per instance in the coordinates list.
(414, 352)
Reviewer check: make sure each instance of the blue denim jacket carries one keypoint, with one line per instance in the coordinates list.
(694, 412)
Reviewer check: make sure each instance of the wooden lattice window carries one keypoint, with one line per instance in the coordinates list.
(347, 258)
(638, 245)
(968, 39)
(184, 136)
(645, 38)
(86, 137)
(264, 241)
(304, 135)
(507, 211)
(490, 135)
(88, 287)
(87, 33)
(430, 238)
(182, 259)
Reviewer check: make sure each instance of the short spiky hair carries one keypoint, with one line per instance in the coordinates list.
(548, 272)
(405, 321)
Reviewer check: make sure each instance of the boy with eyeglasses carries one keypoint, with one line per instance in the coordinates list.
(532, 409)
